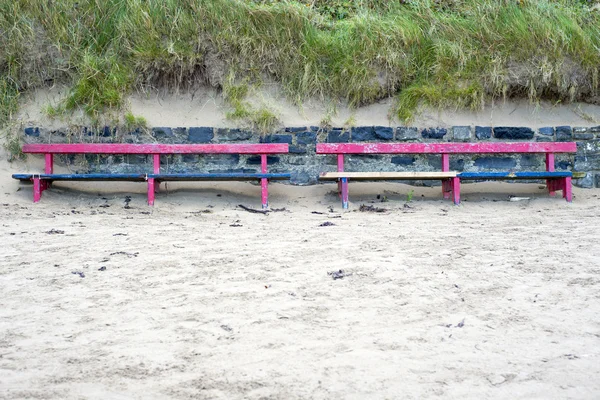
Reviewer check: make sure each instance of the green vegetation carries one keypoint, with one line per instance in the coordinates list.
(442, 53)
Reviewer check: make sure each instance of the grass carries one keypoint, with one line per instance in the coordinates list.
(440, 53)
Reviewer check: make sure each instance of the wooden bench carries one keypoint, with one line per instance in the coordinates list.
(153, 178)
(451, 182)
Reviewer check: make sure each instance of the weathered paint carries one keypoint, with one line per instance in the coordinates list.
(456, 190)
(550, 167)
(83, 177)
(446, 185)
(219, 176)
(344, 182)
(264, 183)
(109, 148)
(151, 191)
(449, 148)
(514, 175)
(49, 167)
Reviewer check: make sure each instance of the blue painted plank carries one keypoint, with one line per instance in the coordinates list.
(82, 177)
(514, 175)
(217, 176)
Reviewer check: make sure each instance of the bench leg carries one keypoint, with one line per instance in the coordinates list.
(567, 189)
(456, 190)
(264, 186)
(446, 188)
(156, 186)
(37, 189)
(151, 191)
(551, 184)
(344, 185)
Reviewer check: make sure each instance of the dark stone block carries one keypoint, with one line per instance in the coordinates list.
(338, 136)
(302, 178)
(107, 132)
(190, 158)
(233, 135)
(496, 162)
(483, 132)
(512, 133)
(297, 149)
(457, 164)
(200, 134)
(564, 133)
(255, 160)
(583, 136)
(595, 129)
(530, 161)
(586, 182)
(363, 134)
(403, 160)
(222, 159)
(315, 128)
(597, 180)
(306, 138)
(162, 131)
(435, 161)
(137, 159)
(276, 139)
(461, 133)
(543, 139)
(295, 129)
(434, 133)
(384, 132)
(35, 132)
(564, 165)
(404, 133)
(546, 131)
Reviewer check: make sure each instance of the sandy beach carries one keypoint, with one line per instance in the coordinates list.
(104, 297)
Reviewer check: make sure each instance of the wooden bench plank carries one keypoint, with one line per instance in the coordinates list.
(387, 175)
(446, 148)
(117, 148)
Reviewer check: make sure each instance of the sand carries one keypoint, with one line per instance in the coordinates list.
(103, 297)
(205, 107)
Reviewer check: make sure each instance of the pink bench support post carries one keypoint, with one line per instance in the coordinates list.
(151, 191)
(446, 184)
(264, 182)
(455, 184)
(567, 189)
(156, 164)
(344, 184)
(37, 189)
(550, 184)
(340, 168)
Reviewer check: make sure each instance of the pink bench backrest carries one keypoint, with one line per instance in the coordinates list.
(97, 148)
(446, 148)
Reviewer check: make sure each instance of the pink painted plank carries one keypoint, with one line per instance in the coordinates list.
(98, 148)
(37, 190)
(456, 190)
(344, 192)
(49, 167)
(446, 185)
(451, 148)
(264, 182)
(340, 168)
(151, 191)
(568, 190)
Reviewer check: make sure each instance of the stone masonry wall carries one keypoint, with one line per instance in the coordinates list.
(305, 165)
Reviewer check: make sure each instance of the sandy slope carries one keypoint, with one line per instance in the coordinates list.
(200, 299)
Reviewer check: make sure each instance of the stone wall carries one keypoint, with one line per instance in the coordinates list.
(305, 165)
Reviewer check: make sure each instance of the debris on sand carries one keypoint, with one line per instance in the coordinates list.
(55, 232)
(365, 208)
(327, 224)
(102, 269)
(125, 254)
(81, 274)
(339, 274)
(252, 210)
(226, 328)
